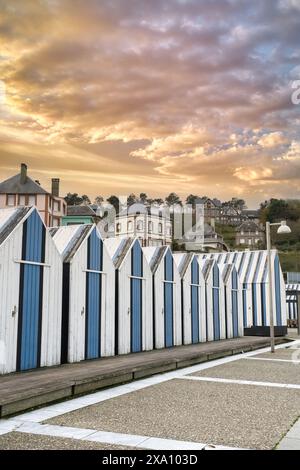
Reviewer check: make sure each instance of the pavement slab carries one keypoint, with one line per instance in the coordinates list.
(21, 441)
(286, 354)
(257, 371)
(232, 415)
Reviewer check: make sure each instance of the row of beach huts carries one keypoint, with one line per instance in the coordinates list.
(66, 295)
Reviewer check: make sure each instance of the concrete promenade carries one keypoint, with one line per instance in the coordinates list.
(23, 391)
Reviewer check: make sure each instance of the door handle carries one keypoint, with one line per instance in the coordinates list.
(14, 311)
(82, 311)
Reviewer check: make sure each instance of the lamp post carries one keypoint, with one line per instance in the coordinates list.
(283, 229)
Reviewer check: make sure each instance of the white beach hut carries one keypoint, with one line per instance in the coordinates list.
(166, 297)
(30, 300)
(193, 298)
(133, 308)
(88, 293)
(214, 295)
(252, 268)
(233, 301)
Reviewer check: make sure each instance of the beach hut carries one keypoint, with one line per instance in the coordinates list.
(88, 293)
(214, 295)
(292, 302)
(252, 268)
(232, 301)
(193, 298)
(30, 284)
(133, 308)
(167, 317)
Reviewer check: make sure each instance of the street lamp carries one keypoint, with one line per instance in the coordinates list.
(283, 229)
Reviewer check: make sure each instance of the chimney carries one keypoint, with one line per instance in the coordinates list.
(55, 187)
(23, 174)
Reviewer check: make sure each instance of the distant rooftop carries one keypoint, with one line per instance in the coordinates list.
(80, 211)
(21, 184)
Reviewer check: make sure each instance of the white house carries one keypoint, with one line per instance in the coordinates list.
(151, 225)
(30, 286)
(88, 293)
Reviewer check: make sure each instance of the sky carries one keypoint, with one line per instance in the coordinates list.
(122, 96)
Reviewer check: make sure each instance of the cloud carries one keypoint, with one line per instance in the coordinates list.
(193, 95)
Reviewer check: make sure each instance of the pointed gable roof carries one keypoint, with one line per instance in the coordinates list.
(13, 185)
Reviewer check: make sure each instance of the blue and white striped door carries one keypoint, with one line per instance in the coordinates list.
(277, 291)
(195, 300)
(31, 293)
(234, 301)
(93, 297)
(168, 299)
(216, 302)
(136, 297)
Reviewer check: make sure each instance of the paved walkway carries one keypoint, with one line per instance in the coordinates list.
(242, 401)
(22, 391)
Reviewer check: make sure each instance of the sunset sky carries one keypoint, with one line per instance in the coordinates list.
(121, 96)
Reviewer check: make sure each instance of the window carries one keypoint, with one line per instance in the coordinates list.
(55, 222)
(159, 228)
(129, 226)
(118, 228)
(56, 206)
(31, 200)
(140, 225)
(22, 200)
(249, 241)
(242, 241)
(169, 231)
(10, 200)
(150, 226)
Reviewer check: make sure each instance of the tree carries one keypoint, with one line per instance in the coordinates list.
(98, 200)
(192, 199)
(115, 202)
(276, 210)
(173, 199)
(73, 199)
(143, 198)
(85, 200)
(157, 200)
(132, 199)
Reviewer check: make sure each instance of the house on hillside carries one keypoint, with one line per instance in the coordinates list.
(252, 215)
(229, 215)
(250, 234)
(212, 208)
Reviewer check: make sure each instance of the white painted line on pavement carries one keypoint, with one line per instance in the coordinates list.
(272, 360)
(240, 382)
(117, 439)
